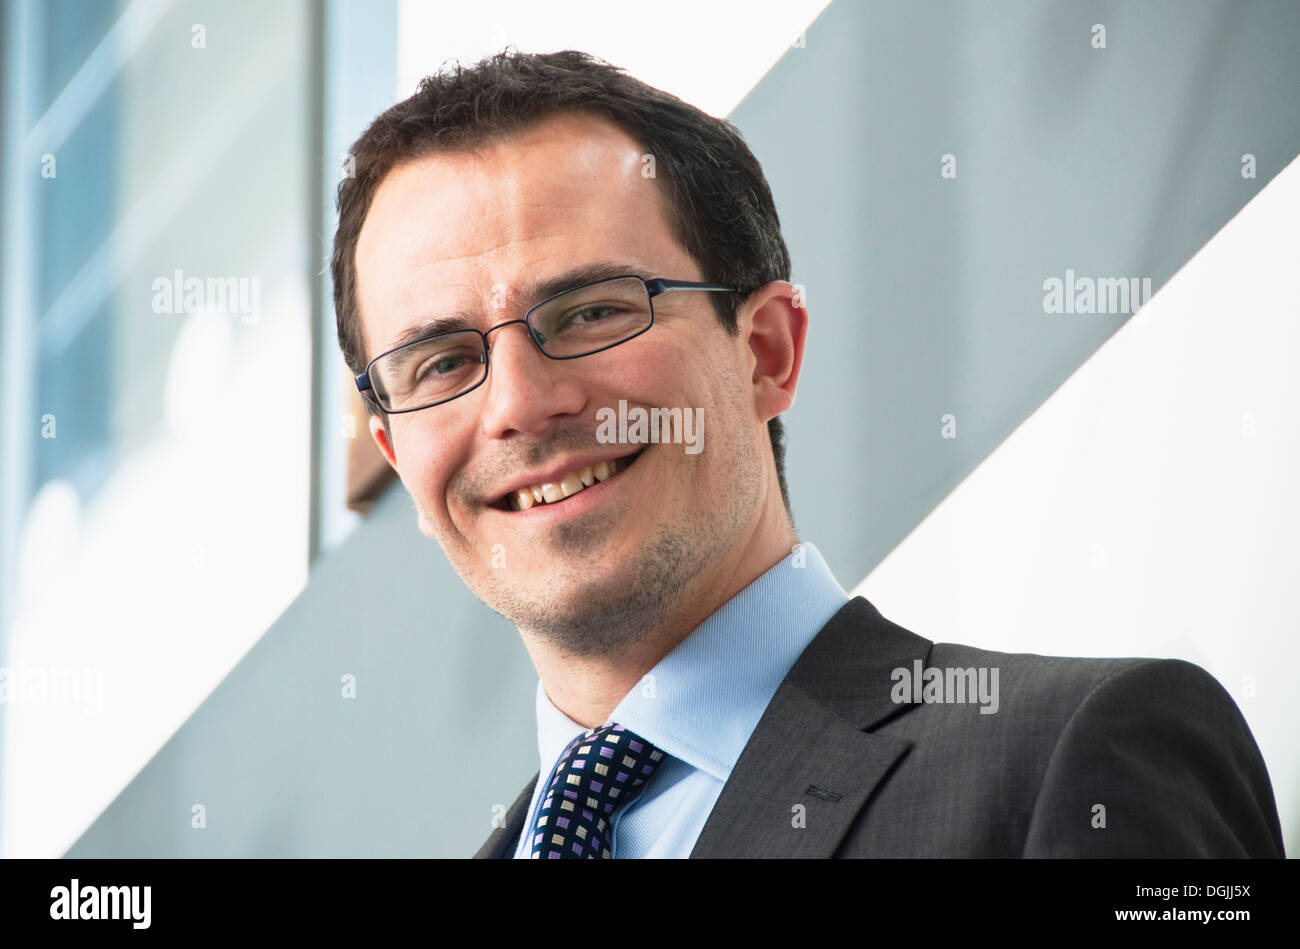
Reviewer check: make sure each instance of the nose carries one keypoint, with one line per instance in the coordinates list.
(527, 392)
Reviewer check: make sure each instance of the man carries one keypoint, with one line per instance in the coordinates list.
(534, 256)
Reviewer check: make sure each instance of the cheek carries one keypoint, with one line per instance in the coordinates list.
(676, 370)
(425, 470)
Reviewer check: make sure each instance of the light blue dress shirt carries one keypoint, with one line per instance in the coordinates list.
(701, 703)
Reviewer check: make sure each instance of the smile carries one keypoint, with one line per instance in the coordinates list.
(555, 492)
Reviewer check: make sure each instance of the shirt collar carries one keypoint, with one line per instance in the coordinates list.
(702, 701)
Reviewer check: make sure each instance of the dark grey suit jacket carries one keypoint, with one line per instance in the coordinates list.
(837, 768)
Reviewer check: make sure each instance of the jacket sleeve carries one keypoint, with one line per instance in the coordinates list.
(1157, 761)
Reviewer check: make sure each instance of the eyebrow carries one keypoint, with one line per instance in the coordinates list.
(533, 291)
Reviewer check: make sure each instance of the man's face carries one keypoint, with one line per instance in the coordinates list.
(465, 233)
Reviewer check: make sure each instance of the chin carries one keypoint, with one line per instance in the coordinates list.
(594, 612)
(562, 594)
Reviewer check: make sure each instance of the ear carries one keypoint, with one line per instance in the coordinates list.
(776, 328)
(380, 435)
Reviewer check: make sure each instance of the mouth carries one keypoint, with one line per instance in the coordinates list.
(556, 493)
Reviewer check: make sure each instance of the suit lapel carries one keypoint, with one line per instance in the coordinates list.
(812, 763)
(501, 842)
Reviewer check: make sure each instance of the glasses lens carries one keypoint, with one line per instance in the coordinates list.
(591, 318)
(432, 370)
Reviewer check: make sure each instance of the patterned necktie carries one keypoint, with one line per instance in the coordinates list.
(599, 772)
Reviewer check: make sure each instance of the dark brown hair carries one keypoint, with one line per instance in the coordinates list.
(719, 203)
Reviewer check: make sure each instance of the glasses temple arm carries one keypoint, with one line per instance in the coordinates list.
(659, 286)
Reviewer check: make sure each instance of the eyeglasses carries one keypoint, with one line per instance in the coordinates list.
(578, 322)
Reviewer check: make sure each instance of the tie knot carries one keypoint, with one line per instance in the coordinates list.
(600, 771)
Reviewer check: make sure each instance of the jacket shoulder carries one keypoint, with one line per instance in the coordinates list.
(1072, 756)
(1035, 683)
(1160, 758)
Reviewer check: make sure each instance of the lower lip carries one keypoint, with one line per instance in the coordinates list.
(575, 505)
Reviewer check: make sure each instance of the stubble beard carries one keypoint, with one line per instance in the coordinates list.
(604, 618)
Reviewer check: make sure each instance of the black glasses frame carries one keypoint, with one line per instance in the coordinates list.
(654, 287)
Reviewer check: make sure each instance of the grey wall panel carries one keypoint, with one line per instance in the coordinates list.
(926, 293)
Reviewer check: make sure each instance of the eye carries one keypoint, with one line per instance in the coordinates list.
(588, 315)
(440, 366)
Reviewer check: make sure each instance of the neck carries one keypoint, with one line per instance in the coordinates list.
(588, 689)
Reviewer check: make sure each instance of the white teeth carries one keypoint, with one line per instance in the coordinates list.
(569, 485)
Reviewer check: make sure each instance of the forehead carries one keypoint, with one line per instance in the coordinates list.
(461, 230)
